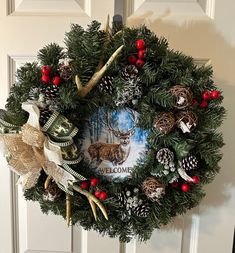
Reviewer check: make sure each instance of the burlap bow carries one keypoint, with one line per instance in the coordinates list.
(30, 151)
(26, 156)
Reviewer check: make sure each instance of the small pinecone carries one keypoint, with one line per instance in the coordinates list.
(129, 72)
(142, 210)
(45, 114)
(165, 156)
(65, 71)
(51, 91)
(106, 85)
(189, 162)
(122, 198)
(53, 192)
(34, 94)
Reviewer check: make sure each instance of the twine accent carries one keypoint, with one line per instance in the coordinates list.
(183, 96)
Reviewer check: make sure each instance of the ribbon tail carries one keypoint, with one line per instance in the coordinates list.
(29, 180)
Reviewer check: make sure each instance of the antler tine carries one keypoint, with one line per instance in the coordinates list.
(84, 90)
(109, 126)
(134, 119)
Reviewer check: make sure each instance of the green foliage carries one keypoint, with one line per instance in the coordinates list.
(50, 54)
(163, 69)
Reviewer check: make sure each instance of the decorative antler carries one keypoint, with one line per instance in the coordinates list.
(84, 90)
(92, 200)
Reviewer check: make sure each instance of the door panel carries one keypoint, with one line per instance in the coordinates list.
(196, 27)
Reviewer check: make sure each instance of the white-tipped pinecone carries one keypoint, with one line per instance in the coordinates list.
(129, 72)
(165, 156)
(189, 162)
(106, 85)
(142, 210)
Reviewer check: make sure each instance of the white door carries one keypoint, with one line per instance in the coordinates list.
(203, 29)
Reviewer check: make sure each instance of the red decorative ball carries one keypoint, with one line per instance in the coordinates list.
(175, 184)
(185, 187)
(46, 70)
(195, 179)
(139, 63)
(215, 94)
(103, 196)
(84, 185)
(46, 79)
(97, 194)
(142, 54)
(94, 181)
(204, 104)
(56, 80)
(132, 59)
(195, 103)
(206, 95)
(140, 44)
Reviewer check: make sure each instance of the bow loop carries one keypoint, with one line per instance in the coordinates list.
(32, 136)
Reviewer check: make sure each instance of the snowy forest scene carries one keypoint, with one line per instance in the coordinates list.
(113, 143)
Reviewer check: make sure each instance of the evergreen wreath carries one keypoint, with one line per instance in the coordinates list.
(178, 105)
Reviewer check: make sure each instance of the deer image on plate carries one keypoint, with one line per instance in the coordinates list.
(113, 142)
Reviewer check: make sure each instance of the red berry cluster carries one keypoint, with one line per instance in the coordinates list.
(138, 61)
(85, 185)
(186, 186)
(207, 96)
(46, 72)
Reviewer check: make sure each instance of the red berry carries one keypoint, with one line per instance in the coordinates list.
(175, 184)
(103, 196)
(185, 187)
(140, 44)
(195, 102)
(94, 181)
(142, 53)
(56, 80)
(215, 94)
(132, 59)
(139, 63)
(84, 185)
(204, 104)
(206, 95)
(46, 70)
(46, 79)
(97, 194)
(195, 179)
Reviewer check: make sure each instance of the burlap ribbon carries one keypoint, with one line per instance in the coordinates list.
(32, 149)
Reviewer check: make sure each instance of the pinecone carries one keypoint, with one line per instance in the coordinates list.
(130, 91)
(52, 91)
(45, 114)
(65, 71)
(106, 85)
(34, 93)
(189, 162)
(165, 156)
(52, 193)
(122, 198)
(129, 72)
(142, 210)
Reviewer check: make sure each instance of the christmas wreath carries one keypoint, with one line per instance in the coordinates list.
(117, 133)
